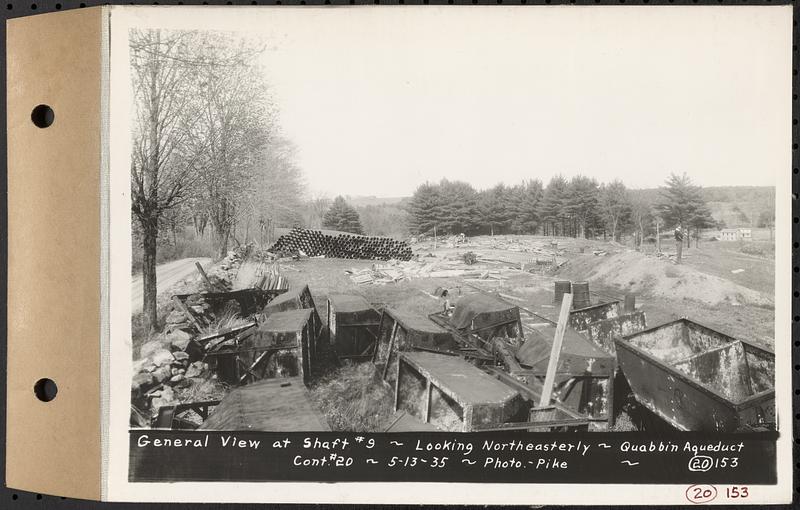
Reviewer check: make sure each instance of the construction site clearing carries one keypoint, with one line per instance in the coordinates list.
(485, 334)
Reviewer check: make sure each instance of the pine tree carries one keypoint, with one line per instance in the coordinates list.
(552, 209)
(581, 204)
(342, 217)
(527, 219)
(460, 212)
(425, 208)
(679, 198)
(682, 204)
(496, 207)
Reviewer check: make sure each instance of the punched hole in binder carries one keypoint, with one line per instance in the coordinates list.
(45, 389)
(43, 116)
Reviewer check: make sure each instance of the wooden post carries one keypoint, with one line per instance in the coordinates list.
(434, 237)
(555, 352)
(389, 352)
(205, 277)
(427, 411)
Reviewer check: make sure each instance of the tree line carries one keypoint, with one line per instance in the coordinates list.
(576, 207)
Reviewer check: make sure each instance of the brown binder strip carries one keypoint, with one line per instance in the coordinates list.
(54, 229)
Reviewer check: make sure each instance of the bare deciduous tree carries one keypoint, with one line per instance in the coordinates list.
(160, 171)
(235, 124)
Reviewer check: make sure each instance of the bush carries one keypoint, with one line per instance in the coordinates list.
(756, 248)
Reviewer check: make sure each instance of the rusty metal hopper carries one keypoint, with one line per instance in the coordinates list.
(699, 379)
(603, 332)
(451, 394)
(580, 318)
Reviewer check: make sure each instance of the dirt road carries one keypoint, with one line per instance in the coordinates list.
(166, 275)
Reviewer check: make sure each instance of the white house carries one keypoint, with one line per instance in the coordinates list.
(735, 234)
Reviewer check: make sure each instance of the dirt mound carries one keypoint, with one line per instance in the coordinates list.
(635, 272)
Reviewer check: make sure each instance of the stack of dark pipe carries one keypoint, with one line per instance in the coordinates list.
(343, 246)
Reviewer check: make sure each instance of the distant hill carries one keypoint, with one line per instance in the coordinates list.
(363, 201)
(735, 206)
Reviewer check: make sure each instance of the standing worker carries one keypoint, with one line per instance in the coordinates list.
(678, 243)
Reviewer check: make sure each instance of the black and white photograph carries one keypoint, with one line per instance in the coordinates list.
(507, 221)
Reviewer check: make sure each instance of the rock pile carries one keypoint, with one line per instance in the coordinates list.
(162, 366)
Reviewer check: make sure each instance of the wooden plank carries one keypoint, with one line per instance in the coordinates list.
(377, 337)
(203, 274)
(232, 331)
(183, 308)
(555, 352)
(567, 422)
(389, 351)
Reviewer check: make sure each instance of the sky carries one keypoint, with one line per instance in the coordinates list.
(379, 100)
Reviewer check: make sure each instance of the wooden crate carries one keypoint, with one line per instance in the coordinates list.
(279, 347)
(353, 326)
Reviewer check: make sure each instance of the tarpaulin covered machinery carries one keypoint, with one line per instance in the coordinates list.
(487, 317)
(584, 380)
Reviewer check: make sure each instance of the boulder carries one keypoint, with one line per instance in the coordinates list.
(176, 378)
(156, 344)
(142, 382)
(195, 369)
(165, 398)
(176, 317)
(162, 374)
(180, 356)
(179, 339)
(162, 357)
(141, 365)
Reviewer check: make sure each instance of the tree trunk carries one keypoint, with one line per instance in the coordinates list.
(221, 235)
(149, 284)
(658, 238)
(679, 249)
